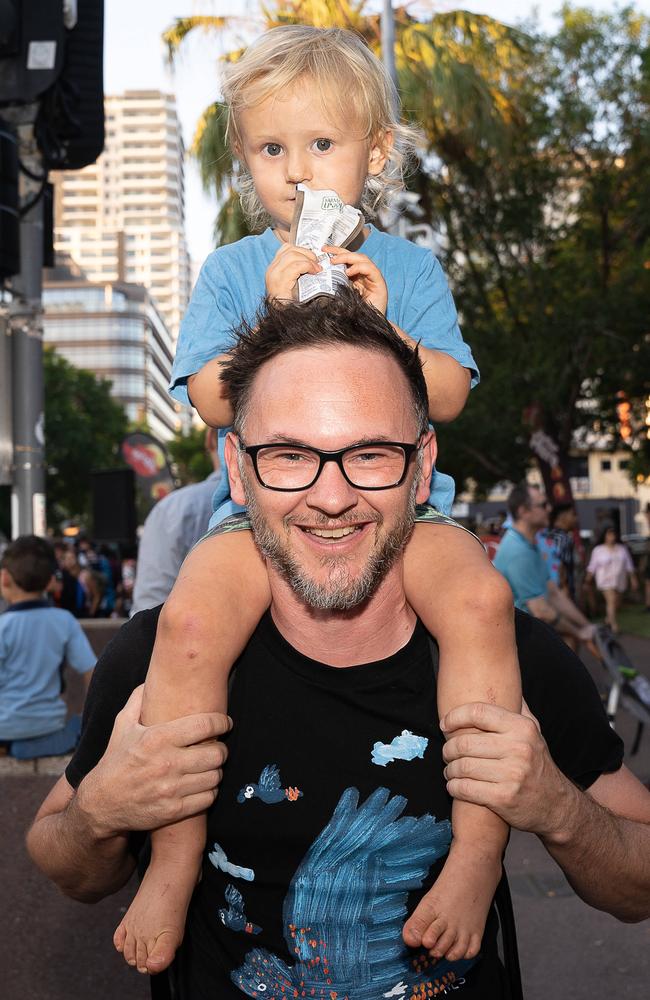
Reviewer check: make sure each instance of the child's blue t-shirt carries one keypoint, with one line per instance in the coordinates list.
(34, 640)
(231, 287)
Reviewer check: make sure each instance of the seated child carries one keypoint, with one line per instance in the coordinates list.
(314, 106)
(35, 639)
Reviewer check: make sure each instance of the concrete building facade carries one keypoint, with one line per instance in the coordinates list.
(115, 330)
(122, 218)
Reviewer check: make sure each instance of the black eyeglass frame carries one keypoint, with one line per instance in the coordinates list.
(330, 456)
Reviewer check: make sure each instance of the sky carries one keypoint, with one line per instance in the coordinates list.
(134, 58)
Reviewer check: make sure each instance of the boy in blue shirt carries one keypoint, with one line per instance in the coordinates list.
(35, 639)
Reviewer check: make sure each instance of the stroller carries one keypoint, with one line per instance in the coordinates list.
(629, 688)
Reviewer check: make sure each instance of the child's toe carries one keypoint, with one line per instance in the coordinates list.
(459, 948)
(119, 937)
(141, 955)
(434, 932)
(446, 941)
(161, 954)
(129, 949)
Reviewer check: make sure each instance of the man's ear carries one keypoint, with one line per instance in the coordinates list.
(380, 149)
(429, 453)
(231, 454)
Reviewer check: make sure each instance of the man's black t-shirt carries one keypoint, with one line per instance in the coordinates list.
(332, 816)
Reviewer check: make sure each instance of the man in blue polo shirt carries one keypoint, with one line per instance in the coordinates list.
(519, 560)
(35, 639)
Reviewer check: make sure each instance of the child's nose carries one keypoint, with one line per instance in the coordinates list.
(297, 167)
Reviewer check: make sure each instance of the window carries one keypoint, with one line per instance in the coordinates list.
(624, 463)
(605, 465)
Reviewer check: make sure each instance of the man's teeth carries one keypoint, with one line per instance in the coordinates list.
(332, 533)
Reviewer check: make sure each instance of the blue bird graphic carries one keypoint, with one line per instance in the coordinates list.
(345, 909)
(234, 917)
(269, 788)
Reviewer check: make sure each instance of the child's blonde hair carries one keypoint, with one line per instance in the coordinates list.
(346, 73)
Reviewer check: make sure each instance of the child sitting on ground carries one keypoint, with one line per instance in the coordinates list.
(35, 639)
(314, 107)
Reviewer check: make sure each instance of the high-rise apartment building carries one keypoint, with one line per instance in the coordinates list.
(122, 218)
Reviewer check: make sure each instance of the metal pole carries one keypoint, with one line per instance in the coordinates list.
(26, 331)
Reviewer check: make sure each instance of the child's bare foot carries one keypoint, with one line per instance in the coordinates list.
(449, 921)
(153, 926)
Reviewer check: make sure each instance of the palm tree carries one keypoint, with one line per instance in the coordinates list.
(457, 78)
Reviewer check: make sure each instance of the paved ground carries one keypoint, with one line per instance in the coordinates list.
(54, 949)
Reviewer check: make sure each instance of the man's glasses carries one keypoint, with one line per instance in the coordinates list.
(378, 465)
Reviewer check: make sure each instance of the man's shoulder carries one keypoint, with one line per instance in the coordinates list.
(181, 500)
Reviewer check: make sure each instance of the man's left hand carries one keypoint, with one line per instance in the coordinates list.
(505, 766)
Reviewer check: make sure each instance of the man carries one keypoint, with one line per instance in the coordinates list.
(180, 519)
(556, 544)
(519, 560)
(315, 856)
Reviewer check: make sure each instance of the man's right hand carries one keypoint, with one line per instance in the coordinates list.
(151, 776)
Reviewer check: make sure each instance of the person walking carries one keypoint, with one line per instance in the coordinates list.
(612, 569)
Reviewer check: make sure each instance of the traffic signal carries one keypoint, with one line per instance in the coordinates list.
(51, 51)
(70, 124)
(31, 48)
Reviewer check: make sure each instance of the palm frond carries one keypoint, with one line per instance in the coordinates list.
(210, 149)
(176, 34)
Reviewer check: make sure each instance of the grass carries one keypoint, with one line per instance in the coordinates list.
(635, 620)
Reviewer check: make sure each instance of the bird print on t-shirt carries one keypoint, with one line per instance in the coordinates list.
(269, 788)
(234, 917)
(345, 909)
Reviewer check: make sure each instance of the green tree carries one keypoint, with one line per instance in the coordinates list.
(189, 456)
(548, 250)
(84, 427)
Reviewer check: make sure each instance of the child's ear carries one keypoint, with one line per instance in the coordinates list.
(380, 149)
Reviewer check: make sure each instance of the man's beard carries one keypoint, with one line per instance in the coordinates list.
(341, 591)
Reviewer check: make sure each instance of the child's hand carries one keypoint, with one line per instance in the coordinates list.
(364, 275)
(286, 267)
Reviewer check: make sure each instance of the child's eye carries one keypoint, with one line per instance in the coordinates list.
(323, 145)
(273, 149)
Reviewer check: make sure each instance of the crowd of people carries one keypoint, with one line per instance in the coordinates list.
(91, 580)
(539, 549)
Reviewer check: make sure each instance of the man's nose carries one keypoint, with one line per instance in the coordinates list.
(332, 493)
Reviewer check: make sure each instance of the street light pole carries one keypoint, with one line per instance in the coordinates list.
(26, 335)
(388, 41)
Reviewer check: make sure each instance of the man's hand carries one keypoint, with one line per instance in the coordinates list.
(506, 766)
(364, 275)
(150, 776)
(286, 267)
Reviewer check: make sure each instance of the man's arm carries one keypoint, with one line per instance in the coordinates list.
(557, 609)
(600, 838)
(148, 777)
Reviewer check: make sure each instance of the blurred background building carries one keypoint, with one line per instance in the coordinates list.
(123, 217)
(114, 329)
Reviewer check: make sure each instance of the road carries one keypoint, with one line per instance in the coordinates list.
(52, 948)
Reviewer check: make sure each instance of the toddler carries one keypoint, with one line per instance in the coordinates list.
(314, 106)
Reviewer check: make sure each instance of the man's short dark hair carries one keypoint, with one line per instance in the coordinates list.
(560, 508)
(342, 319)
(519, 497)
(31, 562)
